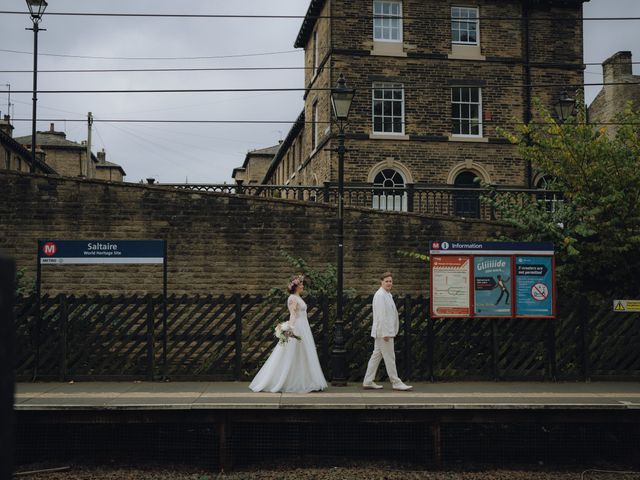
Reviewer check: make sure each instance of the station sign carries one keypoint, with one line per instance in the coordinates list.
(492, 279)
(68, 252)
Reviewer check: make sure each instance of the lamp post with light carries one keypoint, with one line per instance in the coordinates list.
(565, 106)
(341, 98)
(36, 9)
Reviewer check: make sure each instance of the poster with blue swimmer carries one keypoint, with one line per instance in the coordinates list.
(492, 286)
(534, 286)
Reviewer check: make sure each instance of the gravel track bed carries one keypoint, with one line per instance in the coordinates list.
(327, 473)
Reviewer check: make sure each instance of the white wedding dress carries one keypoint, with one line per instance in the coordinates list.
(293, 366)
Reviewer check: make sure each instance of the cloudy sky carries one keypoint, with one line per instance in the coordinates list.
(198, 153)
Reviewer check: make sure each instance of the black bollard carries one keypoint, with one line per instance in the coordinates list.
(7, 385)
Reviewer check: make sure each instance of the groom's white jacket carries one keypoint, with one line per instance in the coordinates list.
(385, 315)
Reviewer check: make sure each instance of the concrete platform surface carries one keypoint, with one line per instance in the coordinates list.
(236, 395)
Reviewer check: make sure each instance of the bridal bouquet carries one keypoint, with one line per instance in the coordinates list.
(283, 332)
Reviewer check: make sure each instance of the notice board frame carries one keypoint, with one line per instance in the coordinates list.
(513, 250)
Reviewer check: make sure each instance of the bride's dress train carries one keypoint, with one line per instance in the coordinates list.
(293, 366)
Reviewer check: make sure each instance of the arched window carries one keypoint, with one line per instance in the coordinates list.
(389, 191)
(551, 199)
(466, 203)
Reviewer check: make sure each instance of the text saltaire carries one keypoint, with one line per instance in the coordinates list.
(102, 246)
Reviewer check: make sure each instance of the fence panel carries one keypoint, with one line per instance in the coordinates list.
(613, 344)
(200, 337)
(230, 337)
(107, 337)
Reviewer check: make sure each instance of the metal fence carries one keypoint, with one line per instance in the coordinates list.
(438, 201)
(230, 337)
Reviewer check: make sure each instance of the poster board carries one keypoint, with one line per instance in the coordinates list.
(492, 279)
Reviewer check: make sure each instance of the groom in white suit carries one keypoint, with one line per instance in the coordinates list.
(385, 328)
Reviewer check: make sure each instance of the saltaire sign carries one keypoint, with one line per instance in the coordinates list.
(65, 252)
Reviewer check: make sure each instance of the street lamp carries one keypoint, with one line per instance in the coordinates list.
(36, 9)
(565, 106)
(341, 98)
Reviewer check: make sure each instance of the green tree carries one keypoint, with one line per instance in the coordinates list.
(596, 226)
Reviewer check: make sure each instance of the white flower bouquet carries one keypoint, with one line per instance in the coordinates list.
(283, 332)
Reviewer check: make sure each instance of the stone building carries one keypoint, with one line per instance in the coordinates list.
(108, 170)
(13, 156)
(620, 87)
(255, 165)
(435, 79)
(69, 158)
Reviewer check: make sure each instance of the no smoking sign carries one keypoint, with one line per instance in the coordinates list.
(539, 292)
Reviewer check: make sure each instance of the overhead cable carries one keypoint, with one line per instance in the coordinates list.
(310, 17)
(314, 89)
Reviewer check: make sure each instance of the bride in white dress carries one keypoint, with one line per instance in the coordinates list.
(293, 366)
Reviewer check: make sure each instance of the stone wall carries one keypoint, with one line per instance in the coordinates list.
(217, 243)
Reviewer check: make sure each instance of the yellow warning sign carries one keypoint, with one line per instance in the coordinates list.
(626, 305)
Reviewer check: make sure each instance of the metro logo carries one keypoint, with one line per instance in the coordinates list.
(49, 249)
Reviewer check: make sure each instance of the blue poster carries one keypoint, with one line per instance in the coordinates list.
(534, 286)
(492, 286)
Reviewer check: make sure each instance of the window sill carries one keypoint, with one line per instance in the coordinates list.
(388, 49)
(466, 52)
(467, 139)
(388, 136)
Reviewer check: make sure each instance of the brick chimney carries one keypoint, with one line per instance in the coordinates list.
(52, 131)
(102, 156)
(617, 67)
(5, 125)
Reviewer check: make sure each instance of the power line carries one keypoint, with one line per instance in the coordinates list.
(316, 89)
(127, 70)
(177, 121)
(243, 55)
(308, 17)
(209, 69)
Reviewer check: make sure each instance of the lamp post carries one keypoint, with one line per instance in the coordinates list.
(341, 98)
(36, 9)
(565, 106)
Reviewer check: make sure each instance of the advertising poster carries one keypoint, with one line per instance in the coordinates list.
(450, 286)
(534, 286)
(492, 286)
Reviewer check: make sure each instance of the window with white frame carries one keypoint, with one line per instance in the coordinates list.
(466, 111)
(465, 25)
(387, 21)
(388, 108)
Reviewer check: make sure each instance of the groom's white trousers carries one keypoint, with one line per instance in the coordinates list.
(382, 350)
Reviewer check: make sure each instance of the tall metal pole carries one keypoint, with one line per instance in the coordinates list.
(36, 29)
(338, 354)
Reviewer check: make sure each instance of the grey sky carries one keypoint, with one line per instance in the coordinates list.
(199, 153)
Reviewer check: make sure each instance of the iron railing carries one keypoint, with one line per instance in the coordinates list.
(430, 200)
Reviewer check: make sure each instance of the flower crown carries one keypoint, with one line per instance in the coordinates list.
(296, 281)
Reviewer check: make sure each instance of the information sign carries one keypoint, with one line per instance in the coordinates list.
(492, 279)
(450, 277)
(534, 286)
(492, 286)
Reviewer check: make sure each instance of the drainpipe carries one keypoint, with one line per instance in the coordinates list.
(526, 43)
